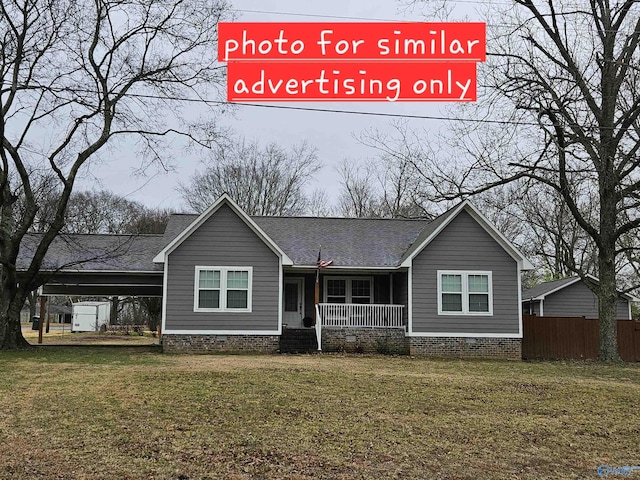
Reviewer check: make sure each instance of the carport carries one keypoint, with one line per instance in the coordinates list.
(97, 265)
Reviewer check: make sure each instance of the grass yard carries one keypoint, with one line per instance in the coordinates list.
(60, 334)
(82, 413)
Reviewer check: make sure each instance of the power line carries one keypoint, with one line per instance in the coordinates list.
(210, 102)
(332, 110)
(312, 15)
(347, 17)
(373, 19)
(384, 114)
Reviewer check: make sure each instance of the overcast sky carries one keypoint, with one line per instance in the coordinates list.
(331, 133)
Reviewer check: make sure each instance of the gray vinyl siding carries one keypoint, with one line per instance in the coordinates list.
(465, 245)
(222, 240)
(577, 300)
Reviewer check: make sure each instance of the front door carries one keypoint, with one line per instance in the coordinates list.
(293, 302)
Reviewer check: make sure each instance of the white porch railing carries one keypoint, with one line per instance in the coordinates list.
(360, 315)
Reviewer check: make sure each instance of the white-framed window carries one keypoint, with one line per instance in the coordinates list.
(464, 293)
(348, 289)
(223, 289)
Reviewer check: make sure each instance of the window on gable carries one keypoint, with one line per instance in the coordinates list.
(223, 289)
(451, 287)
(208, 289)
(464, 293)
(478, 287)
(237, 289)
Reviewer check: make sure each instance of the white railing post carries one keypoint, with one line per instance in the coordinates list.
(318, 327)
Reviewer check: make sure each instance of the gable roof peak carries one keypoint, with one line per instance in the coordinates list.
(224, 199)
(433, 229)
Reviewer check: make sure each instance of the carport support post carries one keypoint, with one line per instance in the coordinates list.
(48, 316)
(43, 304)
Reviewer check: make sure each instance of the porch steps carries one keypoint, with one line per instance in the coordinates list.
(298, 340)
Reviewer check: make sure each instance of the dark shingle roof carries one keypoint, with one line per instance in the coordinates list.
(177, 223)
(349, 242)
(546, 287)
(95, 252)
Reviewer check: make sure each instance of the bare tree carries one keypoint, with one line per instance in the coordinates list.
(358, 198)
(561, 86)
(106, 212)
(387, 186)
(318, 204)
(262, 180)
(99, 212)
(77, 74)
(397, 180)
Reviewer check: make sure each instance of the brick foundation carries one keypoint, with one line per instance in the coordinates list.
(354, 340)
(390, 341)
(220, 343)
(481, 347)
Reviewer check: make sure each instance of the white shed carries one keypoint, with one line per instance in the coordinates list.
(90, 316)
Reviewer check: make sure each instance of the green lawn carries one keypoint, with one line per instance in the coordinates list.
(74, 413)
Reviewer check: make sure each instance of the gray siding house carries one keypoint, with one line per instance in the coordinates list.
(446, 287)
(569, 297)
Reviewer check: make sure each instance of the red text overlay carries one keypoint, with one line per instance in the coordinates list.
(352, 61)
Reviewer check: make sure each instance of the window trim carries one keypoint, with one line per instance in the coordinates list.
(465, 292)
(223, 289)
(348, 290)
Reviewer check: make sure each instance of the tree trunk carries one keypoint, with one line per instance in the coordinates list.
(153, 306)
(11, 302)
(607, 302)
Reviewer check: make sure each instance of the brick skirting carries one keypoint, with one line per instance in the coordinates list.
(220, 343)
(354, 340)
(481, 347)
(389, 341)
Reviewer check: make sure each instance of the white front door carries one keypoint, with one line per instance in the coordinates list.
(293, 302)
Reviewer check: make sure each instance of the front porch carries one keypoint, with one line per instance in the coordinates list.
(350, 328)
(357, 311)
(348, 300)
(358, 328)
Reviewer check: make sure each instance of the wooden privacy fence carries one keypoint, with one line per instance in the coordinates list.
(574, 337)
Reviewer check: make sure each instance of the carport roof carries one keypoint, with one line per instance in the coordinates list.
(100, 252)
